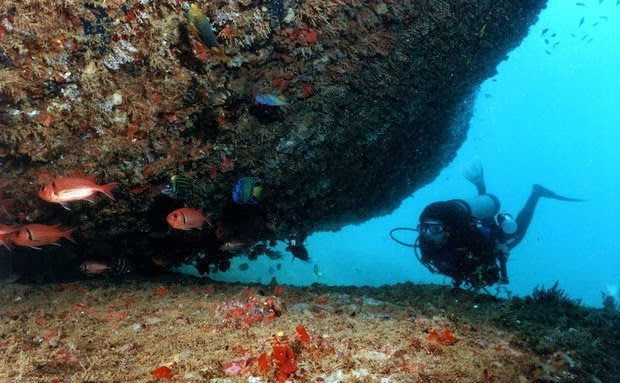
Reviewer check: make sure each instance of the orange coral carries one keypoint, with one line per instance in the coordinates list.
(226, 33)
(162, 372)
(255, 310)
(302, 334)
(443, 338)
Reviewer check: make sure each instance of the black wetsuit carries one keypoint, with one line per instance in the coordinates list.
(472, 254)
(469, 254)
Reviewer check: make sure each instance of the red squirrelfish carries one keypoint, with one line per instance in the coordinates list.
(35, 235)
(69, 189)
(5, 238)
(94, 267)
(187, 219)
(8, 229)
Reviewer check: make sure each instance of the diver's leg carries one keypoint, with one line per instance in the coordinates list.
(523, 219)
(503, 272)
(525, 215)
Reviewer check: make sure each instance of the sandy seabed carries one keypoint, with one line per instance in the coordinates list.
(182, 329)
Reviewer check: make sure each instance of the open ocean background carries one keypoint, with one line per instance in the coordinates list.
(551, 116)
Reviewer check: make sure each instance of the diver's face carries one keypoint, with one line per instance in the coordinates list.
(433, 233)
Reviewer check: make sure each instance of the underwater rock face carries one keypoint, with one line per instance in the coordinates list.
(379, 101)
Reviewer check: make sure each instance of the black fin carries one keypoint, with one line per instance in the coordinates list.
(544, 192)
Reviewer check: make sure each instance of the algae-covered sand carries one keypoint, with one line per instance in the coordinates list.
(195, 330)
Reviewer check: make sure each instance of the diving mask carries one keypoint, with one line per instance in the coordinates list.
(430, 228)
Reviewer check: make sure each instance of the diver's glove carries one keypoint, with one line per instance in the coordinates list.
(473, 172)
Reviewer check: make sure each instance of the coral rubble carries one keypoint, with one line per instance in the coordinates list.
(192, 330)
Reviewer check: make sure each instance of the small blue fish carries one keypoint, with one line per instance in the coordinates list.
(247, 191)
(271, 100)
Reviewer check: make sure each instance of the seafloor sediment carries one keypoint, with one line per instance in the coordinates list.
(123, 90)
(186, 330)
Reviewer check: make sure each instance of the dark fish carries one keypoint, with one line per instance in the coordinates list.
(584, 37)
(244, 266)
(279, 266)
(276, 10)
(547, 52)
(121, 266)
(595, 24)
(180, 187)
(487, 95)
(546, 29)
(600, 1)
(589, 41)
(580, 4)
(247, 191)
(604, 18)
(273, 254)
(553, 35)
(546, 41)
(271, 270)
(573, 35)
(556, 44)
(582, 20)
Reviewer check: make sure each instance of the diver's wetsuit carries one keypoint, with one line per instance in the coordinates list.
(473, 252)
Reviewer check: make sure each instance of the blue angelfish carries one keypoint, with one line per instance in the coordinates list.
(247, 191)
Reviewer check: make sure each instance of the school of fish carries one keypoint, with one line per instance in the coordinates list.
(66, 190)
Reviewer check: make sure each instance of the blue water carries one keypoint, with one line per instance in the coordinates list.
(552, 119)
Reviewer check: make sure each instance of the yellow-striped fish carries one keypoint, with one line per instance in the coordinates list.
(199, 24)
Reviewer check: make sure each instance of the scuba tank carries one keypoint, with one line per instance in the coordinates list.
(482, 207)
(506, 223)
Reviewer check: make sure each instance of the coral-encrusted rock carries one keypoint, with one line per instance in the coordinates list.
(121, 90)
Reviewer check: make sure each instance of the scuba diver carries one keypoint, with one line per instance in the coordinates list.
(470, 240)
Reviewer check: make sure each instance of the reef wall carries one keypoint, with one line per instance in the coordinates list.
(379, 95)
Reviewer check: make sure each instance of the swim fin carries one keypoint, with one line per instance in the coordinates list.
(544, 192)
